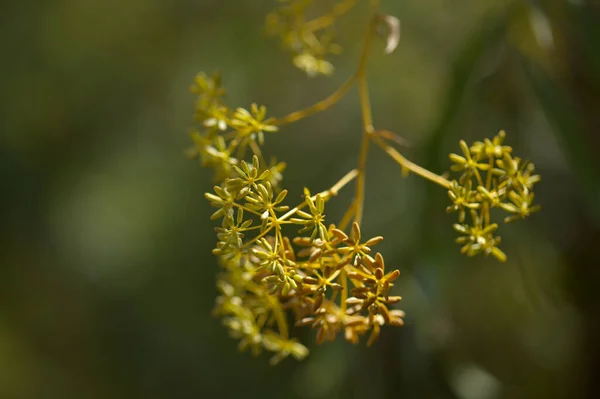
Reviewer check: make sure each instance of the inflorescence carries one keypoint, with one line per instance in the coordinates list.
(279, 261)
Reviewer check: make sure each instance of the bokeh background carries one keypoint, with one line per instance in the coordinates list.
(106, 277)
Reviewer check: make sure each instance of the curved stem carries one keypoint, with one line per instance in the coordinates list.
(410, 166)
(321, 106)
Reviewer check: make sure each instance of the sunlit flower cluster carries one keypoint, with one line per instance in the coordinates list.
(491, 178)
(267, 271)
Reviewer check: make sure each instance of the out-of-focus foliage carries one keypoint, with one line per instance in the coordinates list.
(107, 277)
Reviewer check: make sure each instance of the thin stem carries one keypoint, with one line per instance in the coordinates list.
(485, 213)
(347, 178)
(333, 191)
(388, 135)
(318, 107)
(324, 21)
(256, 150)
(279, 236)
(258, 237)
(360, 181)
(333, 276)
(245, 209)
(344, 279)
(410, 166)
(488, 185)
(488, 180)
(362, 81)
(478, 177)
(262, 320)
(367, 118)
(279, 316)
(347, 216)
(251, 228)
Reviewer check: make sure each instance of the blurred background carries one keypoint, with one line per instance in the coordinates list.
(106, 276)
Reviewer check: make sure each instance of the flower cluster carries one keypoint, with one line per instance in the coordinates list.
(491, 178)
(323, 276)
(224, 135)
(310, 40)
(280, 262)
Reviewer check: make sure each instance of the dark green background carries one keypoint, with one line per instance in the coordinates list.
(106, 277)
